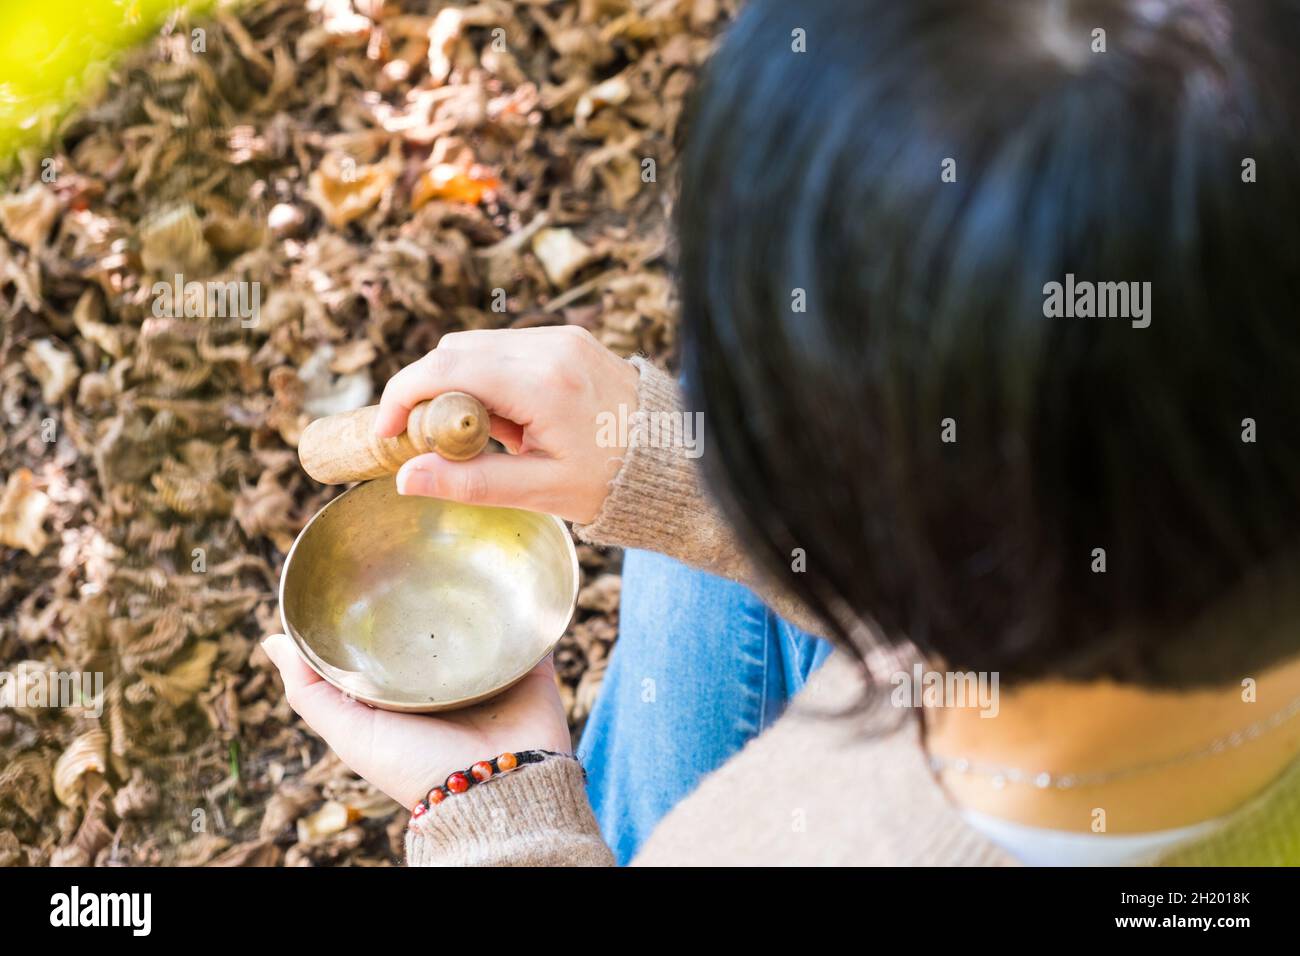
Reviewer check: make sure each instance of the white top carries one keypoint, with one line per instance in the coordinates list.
(1038, 846)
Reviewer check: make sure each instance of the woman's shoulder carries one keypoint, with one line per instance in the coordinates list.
(835, 781)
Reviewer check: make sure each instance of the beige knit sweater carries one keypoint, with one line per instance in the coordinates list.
(814, 789)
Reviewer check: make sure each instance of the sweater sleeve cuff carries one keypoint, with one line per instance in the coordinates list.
(657, 502)
(537, 815)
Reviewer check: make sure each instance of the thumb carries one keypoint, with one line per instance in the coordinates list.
(510, 481)
(294, 671)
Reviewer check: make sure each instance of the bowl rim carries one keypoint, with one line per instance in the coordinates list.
(322, 668)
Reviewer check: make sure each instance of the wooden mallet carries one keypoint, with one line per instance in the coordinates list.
(344, 448)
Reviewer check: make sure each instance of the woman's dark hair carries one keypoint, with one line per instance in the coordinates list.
(843, 298)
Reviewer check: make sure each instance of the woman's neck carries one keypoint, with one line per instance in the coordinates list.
(1192, 767)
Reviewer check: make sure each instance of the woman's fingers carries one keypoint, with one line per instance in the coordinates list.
(506, 384)
(546, 389)
(512, 481)
(327, 710)
(516, 341)
(293, 669)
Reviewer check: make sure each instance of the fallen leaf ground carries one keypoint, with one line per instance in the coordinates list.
(385, 172)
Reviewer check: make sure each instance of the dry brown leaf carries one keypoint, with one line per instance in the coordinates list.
(172, 243)
(327, 394)
(22, 513)
(562, 254)
(53, 366)
(267, 510)
(601, 595)
(444, 34)
(332, 817)
(353, 356)
(138, 798)
(344, 190)
(284, 808)
(28, 216)
(183, 681)
(252, 853)
(612, 92)
(88, 317)
(86, 754)
(11, 851)
(447, 182)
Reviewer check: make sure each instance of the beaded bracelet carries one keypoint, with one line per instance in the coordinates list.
(484, 770)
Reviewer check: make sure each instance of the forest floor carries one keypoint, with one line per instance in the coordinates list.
(385, 173)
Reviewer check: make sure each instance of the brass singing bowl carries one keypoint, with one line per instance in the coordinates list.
(420, 605)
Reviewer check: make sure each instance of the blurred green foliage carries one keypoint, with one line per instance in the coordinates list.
(52, 52)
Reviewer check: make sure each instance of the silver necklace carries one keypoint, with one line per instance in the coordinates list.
(999, 776)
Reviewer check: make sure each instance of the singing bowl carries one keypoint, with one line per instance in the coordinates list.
(420, 605)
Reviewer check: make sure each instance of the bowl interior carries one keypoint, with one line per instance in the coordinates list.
(421, 604)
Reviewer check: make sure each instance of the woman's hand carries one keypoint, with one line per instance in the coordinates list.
(547, 390)
(407, 755)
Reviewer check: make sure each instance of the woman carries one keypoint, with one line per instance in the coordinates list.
(1085, 512)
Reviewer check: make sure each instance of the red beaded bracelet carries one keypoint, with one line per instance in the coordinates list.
(481, 772)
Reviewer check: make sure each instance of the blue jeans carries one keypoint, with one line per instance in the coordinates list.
(700, 667)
